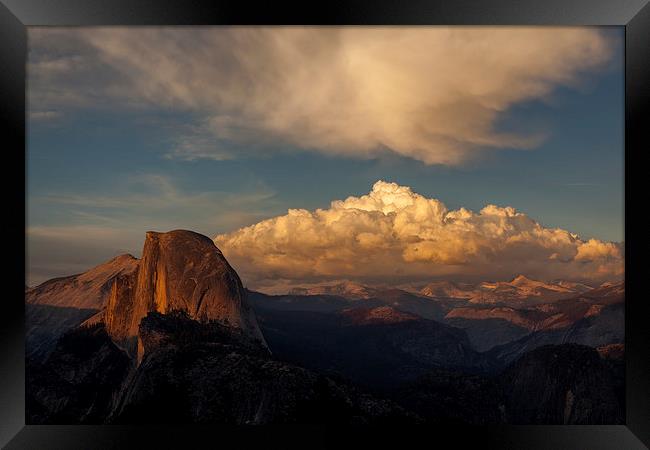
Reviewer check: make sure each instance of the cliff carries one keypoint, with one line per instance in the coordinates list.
(179, 271)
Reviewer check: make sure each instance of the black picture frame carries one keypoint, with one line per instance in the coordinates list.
(16, 15)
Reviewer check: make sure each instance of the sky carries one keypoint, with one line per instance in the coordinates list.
(387, 144)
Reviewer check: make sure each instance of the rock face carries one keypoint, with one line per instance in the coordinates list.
(555, 384)
(561, 384)
(179, 270)
(79, 381)
(44, 325)
(60, 304)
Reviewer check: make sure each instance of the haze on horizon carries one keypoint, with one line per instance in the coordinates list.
(315, 154)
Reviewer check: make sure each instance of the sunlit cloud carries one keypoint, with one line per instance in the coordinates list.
(393, 234)
(434, 94)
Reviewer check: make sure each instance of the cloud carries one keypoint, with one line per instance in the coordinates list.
(434, 94)
(395, 235)
(158, 200)
(44, 115)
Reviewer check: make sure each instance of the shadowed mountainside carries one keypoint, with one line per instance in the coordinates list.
(372, 346)
(60, 304)
(562, 384)
(44, 325)
(554, 384)
(606, 327)
(195, 372)
(79, 381)
(178, 340)
(190, 372)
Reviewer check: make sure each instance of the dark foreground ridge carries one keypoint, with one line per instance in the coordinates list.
(190, 372)
(193, 372)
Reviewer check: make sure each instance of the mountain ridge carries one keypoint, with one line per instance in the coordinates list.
(518, 291)
(178, 339)
(86, 290)
(179, 270)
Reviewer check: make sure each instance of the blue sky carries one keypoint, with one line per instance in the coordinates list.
(101, 175)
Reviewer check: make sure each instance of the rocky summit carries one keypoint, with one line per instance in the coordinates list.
(179, 270)
(88, 290)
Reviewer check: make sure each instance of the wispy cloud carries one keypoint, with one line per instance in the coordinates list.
(44, 115)
(99, 226)
(582, 184)
(148, 193)
(433, 94)
(199, 143)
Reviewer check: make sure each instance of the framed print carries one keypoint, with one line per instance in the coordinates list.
(301, 227)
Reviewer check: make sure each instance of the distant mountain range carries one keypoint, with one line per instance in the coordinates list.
(107, 345)
(519, 291)
(347, 289)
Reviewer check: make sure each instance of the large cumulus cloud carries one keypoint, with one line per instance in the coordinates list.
(393, 234)
(434, 94)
